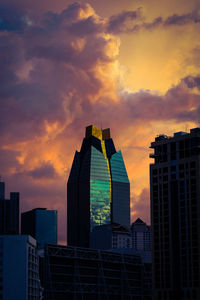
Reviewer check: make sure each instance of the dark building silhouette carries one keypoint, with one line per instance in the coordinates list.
(175, 215)
(110, 236)
(141, 236)
(41, 224)
(80, 273)
(98, 188)
(2, 190)
(9, 212)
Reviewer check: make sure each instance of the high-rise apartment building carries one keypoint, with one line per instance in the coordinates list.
(98, 188)
(41, 224)
(141, 236)
(9, 212)
(175, 215)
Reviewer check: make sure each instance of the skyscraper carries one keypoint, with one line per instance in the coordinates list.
(98, 188)
(41, 224)
(9, 212)
(175, 215)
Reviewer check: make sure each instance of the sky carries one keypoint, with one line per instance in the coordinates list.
(130, 65)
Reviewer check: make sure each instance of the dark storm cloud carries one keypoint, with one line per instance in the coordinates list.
(120, 23)
(12, 19)
(45, 171)
(192, 82)
(182, 19)
(86, 27)
(133, 21)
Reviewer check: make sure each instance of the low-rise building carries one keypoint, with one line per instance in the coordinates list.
(110, 236)
(141, 236)
(81, 273)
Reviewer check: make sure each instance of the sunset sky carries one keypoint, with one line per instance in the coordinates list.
(130, 65)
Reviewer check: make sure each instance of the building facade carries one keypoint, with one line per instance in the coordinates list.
(111, 236)
(141, 236)
(80, 273)
(19, 268)
(9, 212)
(98, 188)
(175, 215)
(41, 224)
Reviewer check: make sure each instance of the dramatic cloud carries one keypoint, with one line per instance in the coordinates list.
(132, 21)
(124, 21)
(175, 19)
(60, 72)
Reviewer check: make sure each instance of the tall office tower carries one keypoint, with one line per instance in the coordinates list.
(9, 212)
(141, 235)
(41, 224)
(98, 188)
(175, 215)
(19, 268)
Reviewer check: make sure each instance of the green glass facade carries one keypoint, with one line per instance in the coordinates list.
(98, 189)
(120, 190)
(118, 168)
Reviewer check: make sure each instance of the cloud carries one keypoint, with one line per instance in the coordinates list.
(8, 162)
(185, 19)
(192, 82)
(141, 206)
(11, 19)
(45, 171)
(123, 22)
(41, 69)
(133, 21)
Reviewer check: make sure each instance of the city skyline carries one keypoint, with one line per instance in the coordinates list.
(132, 67)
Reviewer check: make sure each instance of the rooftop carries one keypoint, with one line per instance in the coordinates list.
(164, 138)
(101, 134)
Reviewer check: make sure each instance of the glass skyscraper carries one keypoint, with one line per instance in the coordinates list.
(98, 188)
